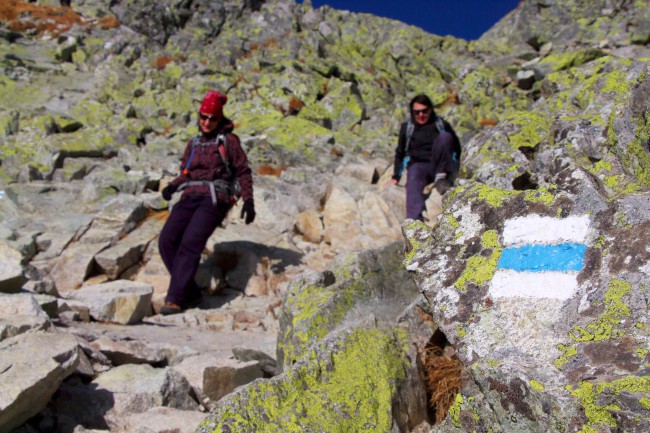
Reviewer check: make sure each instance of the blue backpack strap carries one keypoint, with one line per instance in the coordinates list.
(410, 127)
(195, 144)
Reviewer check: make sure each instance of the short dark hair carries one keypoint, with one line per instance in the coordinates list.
(421, 99)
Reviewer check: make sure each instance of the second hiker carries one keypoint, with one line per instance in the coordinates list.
(209, 166)
(429, 150)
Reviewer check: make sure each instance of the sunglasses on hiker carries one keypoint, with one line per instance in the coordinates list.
(208, 118)
(418, 112)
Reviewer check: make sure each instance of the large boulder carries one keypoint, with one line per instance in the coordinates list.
(347, 382)
(20, 313)
(120, 393)
(32, 367)
(542, 294)
(316, 303)
(120, 301)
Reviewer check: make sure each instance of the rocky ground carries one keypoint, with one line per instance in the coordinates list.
(311, 306)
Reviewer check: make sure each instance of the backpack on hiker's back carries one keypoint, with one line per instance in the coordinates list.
(442, 128)
(230, 186)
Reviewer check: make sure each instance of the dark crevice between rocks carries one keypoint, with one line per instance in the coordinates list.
(442, 375)
(524, 182)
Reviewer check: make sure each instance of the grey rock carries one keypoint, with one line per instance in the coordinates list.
(70, 269)
(11, 271)
(267, 363)
(213, 378)
(129, 250)
(119, 301)
(33, 366)
(525, 79)
(363, 282)
(129, 352)
(162, 420)
(107, 401)
(534, 335)
(20, 313)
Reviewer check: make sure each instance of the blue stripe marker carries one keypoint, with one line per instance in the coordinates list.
(538, 258)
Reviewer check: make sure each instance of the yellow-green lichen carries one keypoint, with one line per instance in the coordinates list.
(480, 269)
(453, 222)
(599, 416)
(312, 321)
(532, 128)
(495, 197)
(536, 385)
(637, 157)
(605, 327)
(454, 410)
(414, 244)
(570, 59)
(350, 390)
(567, 352)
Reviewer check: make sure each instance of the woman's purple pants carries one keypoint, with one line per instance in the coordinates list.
(181, 243)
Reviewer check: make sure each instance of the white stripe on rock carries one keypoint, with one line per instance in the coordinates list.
(535, 229)
(549, 285)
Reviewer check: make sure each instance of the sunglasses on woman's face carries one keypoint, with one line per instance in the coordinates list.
(418, 112)
(208, 118)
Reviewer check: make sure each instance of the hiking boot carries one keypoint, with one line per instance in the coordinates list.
(442, 186)
(170, 308)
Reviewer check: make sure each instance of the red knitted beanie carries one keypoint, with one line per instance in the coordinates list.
(213, 103)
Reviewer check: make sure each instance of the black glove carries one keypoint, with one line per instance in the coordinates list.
(168, 191)
(248, 211)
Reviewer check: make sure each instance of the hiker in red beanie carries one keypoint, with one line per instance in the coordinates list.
(214, 166)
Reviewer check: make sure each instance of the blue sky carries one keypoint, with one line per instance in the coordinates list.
(467, 19)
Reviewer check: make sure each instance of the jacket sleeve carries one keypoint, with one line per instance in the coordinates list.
(400, 153)
(241, 167)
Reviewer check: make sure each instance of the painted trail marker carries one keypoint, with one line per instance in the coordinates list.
(541, 258)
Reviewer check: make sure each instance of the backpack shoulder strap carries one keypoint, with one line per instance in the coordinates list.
(410, 127)
(195, 144)
(223, 152)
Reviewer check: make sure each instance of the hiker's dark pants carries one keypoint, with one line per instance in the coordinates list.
(420, 174)
(181, 242)
(443, 159)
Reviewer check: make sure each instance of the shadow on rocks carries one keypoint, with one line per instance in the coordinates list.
(239, 261)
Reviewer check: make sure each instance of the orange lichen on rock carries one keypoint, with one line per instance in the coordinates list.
(488, 122)
(23, 17)
(267, 170)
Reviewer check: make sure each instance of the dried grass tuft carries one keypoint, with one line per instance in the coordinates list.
(442, 378)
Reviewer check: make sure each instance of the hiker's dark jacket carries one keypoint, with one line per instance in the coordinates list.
(421, 147)
(207, 164)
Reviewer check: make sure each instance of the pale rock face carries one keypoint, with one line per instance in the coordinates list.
(118, 301)
(340, 207)
(11, 272)
(33, 366)
(20, 313)
(310, 225)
